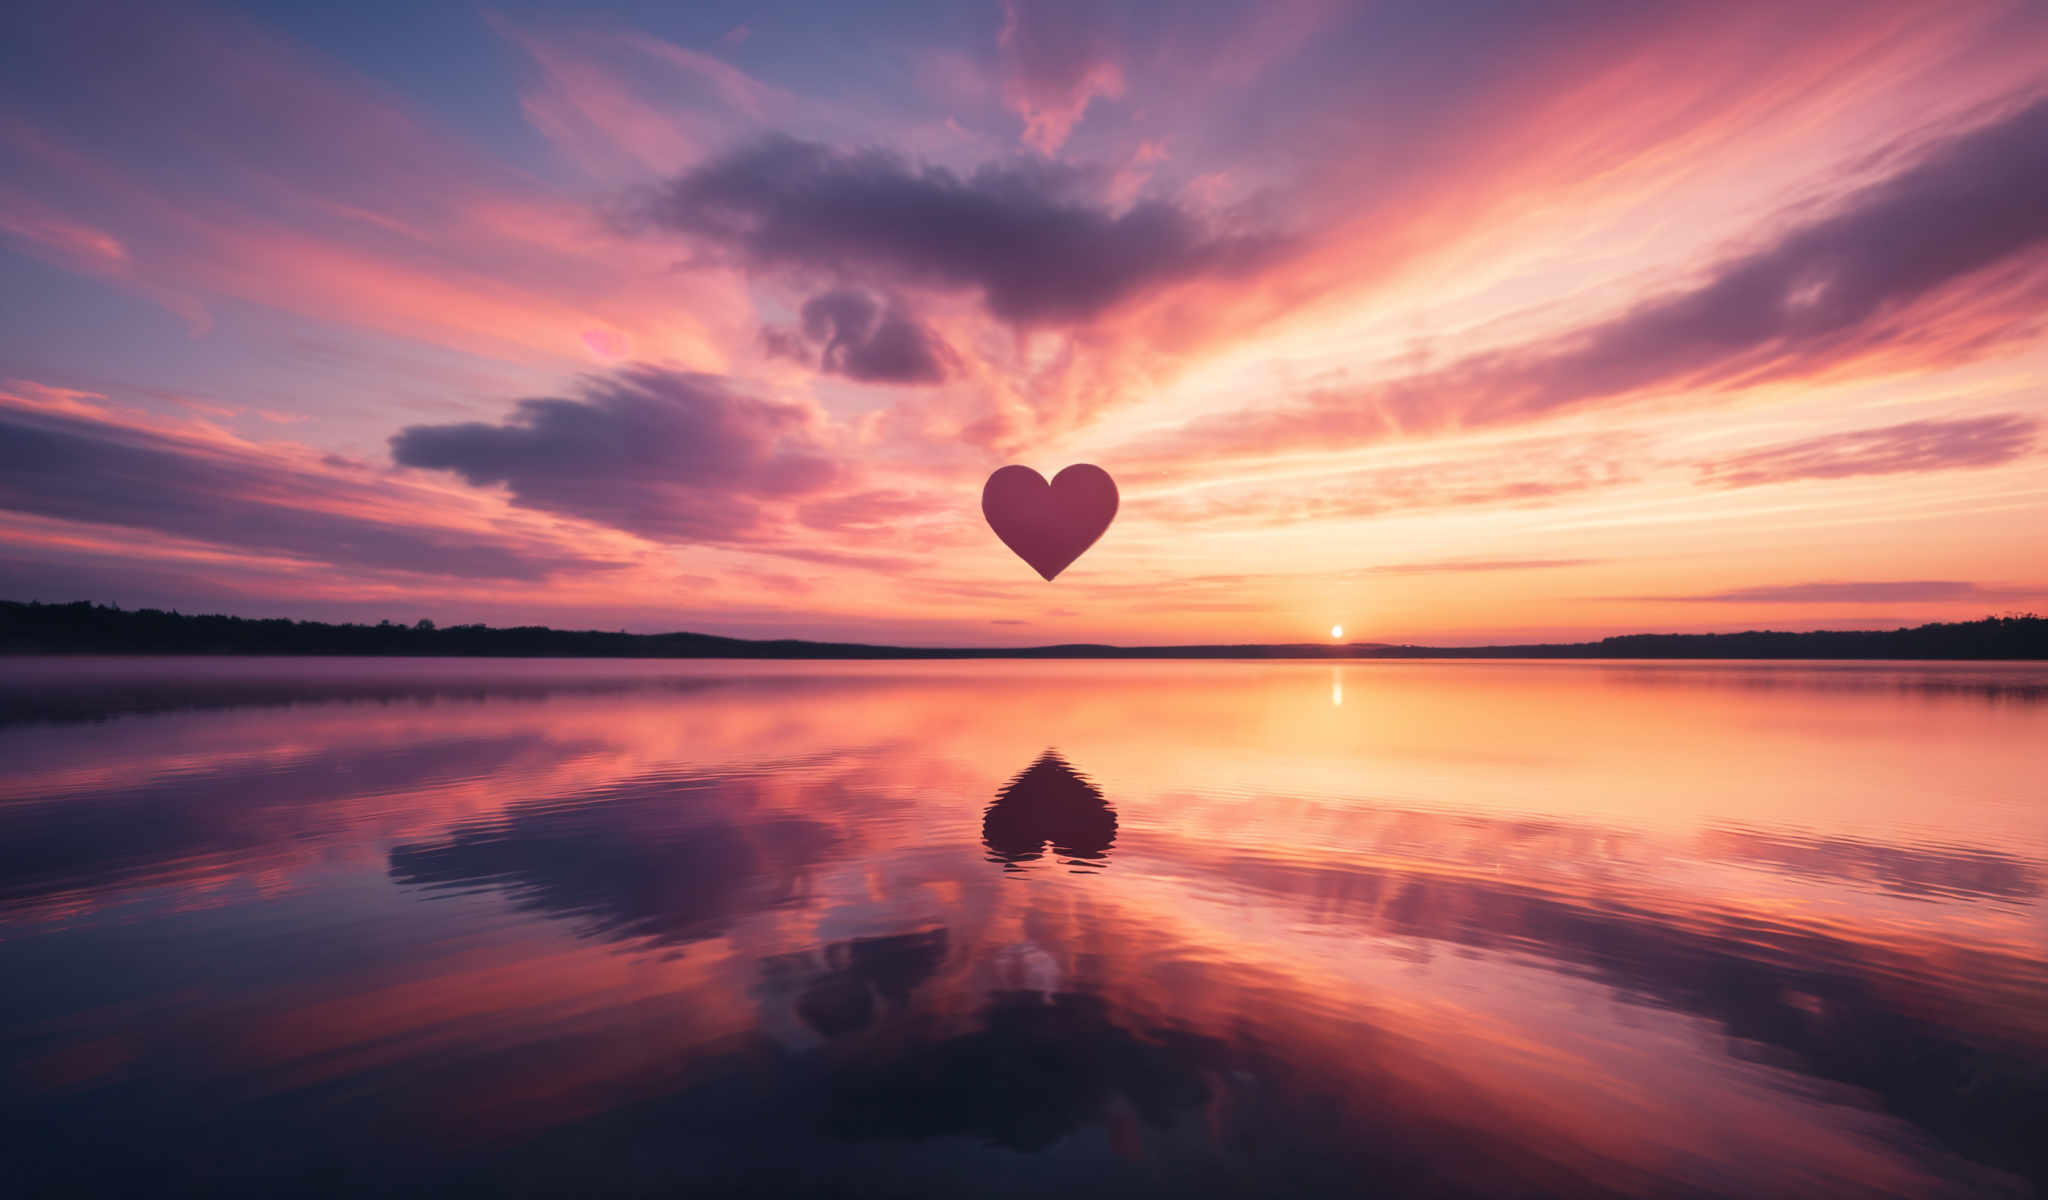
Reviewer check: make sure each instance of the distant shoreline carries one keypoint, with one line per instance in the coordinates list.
(86, 628)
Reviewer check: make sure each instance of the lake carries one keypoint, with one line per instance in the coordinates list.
(960, 928)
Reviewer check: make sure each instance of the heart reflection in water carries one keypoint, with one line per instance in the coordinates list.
(1049, 804)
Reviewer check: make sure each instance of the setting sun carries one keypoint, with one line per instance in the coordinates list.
(1337, 631)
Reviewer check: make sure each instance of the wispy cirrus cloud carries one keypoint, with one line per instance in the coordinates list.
(1887, 591)
(1987, 441)
(280, 180)
(1880, 275)
(1535, 471)
(1460, 565)
(624, 105)
(874, 511)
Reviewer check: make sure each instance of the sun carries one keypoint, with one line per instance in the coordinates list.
(1337, 632)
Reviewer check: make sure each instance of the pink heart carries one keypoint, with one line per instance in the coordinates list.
(1049, 525)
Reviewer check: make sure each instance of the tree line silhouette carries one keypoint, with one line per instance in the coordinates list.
(87, 628)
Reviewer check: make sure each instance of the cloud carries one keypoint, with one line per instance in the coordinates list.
(880, 510)
(1534, 471)
(1454, 565)
(1913, 446)
(84, 464)
(1907, 591)
(1057, 58)
(1875, 274)
(665, 454)
(623, 105)
(885, 563)
(283, 179)
(873, 343)
(1037, 252)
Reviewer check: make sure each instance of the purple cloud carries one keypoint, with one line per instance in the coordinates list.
(665, 454)
(1822, 293)
(1913, 446)
(1058, 57)
(868, 341)
(78, 467)
(1021, 236)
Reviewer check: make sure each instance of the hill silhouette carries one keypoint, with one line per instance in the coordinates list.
(87, 628)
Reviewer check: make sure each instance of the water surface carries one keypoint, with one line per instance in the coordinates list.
(1444, 928)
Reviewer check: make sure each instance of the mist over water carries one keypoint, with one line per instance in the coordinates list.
(1444, 928)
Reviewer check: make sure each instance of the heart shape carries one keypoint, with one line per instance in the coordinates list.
(1049, 525)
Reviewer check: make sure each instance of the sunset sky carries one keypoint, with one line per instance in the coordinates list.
(1446, 323)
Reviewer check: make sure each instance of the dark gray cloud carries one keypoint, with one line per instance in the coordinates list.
(1890, 591)
(79, 467)
(1912, 446)
(665, 454)
(1823, 293)
(874, 342)
(1023, 236)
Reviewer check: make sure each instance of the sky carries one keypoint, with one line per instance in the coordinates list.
(1443, 323)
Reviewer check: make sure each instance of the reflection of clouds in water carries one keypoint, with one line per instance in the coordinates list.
(846, 986)
(1039, 1068)
(1035, 1065)
(1892, 1023)
(237, 683)
(1049, 804)
(899, 1008)
(1026, 967)
(671, 860)
(1960, 871)
(233, 815)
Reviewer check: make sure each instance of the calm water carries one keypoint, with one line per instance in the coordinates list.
(971, 929)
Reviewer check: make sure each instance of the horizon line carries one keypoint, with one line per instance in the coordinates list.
(617, 640)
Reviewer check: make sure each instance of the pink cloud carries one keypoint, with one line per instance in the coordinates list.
(1529, 473)
(1894, 277)
(392, 225)
(1891, 591)
(1058, 57)
(1911, 446)
(625, 106)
